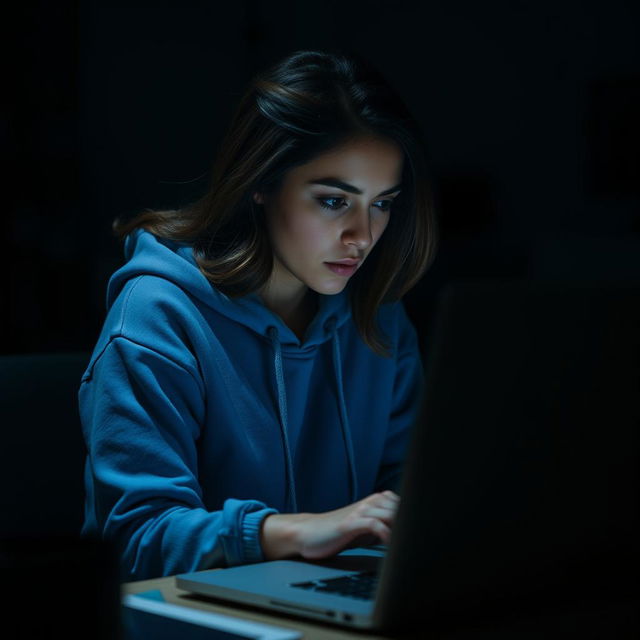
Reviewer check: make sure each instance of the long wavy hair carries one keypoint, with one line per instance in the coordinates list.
(306, 104)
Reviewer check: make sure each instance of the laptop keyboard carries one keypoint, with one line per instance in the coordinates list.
(360, 585)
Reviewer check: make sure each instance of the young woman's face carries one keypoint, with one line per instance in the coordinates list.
(322, 233)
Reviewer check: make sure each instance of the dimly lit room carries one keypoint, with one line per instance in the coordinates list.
(321, 319)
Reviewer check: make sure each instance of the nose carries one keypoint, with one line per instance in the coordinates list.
(357, 231)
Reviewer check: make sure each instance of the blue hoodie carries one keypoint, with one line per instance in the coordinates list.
(202, 414)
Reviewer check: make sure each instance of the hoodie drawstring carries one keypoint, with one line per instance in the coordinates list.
(344, 418)
(284, 424)
(282, 407)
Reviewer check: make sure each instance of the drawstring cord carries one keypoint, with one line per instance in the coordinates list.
(330, 325)
(344, 419)
(282, 406)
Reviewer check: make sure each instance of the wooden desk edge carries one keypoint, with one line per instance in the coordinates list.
(309, 629)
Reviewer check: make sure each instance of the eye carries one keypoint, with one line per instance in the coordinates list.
(386, 204)
(323, 201)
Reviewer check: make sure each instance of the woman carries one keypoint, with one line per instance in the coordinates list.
(252, 389)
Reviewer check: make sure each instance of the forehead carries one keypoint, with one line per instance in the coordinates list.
(361, 162)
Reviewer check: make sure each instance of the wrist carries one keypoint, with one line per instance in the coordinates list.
(250, 535)
(279, 536)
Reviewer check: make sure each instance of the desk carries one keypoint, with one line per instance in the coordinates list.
(310, 630)
(613, 620)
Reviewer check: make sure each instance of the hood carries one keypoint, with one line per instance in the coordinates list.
(147, 254)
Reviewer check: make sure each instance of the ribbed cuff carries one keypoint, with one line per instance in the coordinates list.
(251, 524)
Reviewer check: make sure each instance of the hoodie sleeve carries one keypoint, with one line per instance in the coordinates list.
(141, 412)
(407, 389)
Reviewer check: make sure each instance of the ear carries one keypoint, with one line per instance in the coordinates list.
(258, 198)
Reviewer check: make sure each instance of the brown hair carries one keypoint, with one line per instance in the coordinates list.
(305, 105)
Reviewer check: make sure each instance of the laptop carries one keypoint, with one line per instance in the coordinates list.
(519, 489)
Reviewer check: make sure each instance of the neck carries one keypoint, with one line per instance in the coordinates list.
(296, 310)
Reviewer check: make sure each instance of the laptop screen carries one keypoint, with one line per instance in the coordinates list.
(521, 483)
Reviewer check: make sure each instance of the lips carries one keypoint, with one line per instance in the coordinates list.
(343, 267)
(349, 262)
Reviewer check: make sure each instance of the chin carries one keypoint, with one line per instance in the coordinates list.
(329, 289)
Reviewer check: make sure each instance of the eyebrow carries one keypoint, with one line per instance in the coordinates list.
(334, 182)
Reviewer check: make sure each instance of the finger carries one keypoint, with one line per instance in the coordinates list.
(366, 540)
(386, 515)
(366, 526)
(384, 501)
(374, 526)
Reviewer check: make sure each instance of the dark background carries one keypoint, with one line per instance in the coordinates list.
(531, 112)
(530, 109)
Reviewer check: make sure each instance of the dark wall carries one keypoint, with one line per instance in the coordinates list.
(530, 110)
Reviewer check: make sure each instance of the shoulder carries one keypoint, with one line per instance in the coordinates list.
(148, 291)
(153, 312)
(147, 326)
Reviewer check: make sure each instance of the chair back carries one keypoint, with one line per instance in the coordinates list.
(42, 450)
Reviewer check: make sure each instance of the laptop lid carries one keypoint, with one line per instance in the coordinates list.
(520, 487)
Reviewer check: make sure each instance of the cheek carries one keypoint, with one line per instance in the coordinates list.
(306, 230)
(378, 228)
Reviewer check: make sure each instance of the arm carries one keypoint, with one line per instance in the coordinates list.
(141, 413)
(322, 535)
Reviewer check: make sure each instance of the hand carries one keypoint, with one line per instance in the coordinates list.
(321, 535)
